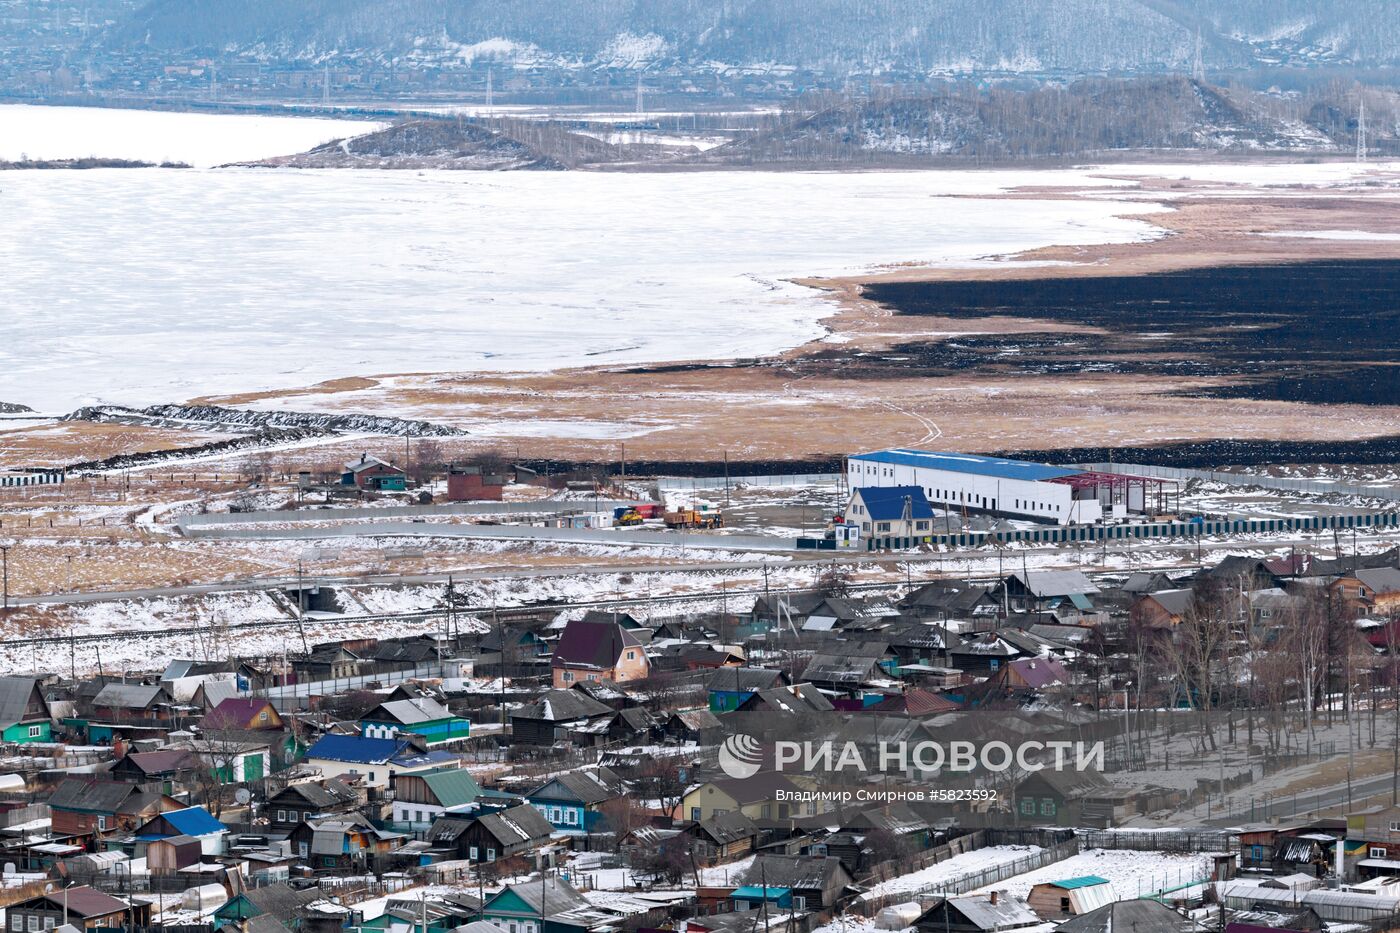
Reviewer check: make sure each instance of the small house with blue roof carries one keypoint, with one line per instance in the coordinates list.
(191, 822)
(373, 760)
(890, 512)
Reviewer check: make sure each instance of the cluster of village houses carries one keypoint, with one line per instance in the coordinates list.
(482, 768)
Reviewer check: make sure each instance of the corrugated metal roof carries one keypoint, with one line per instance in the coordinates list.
(967, 463)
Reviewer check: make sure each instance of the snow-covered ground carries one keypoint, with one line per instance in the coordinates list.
(207, 281)
(200, 139)
(965, 863)
(1131, 873)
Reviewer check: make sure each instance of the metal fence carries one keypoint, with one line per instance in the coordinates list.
(32, 479)
(534, 507)
(688, 483)
(1285, 483)
(971, 881)
(1150, 531)
(1172, 841)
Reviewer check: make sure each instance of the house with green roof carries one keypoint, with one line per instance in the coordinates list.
(421, 798)
(1070, 897)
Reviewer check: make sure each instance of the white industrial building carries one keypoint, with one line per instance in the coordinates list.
(1016, 488)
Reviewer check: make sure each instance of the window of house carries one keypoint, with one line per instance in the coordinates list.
(1064, 904)
(695, 814)
(513, 928)
(281, 816)
(631, 655)
(17, 923)
(1395, 826)
(799, 903)
(48, 923)
(102, 822)
(490, 855)
(1047, 807)
(475, 853)
(33, 924)
(740, 904)
(371, 777)
(1028, 806)
(921, 526)
(883, 526)
(568, 677)
(328, 861)
(36, 731)
(1378, 852)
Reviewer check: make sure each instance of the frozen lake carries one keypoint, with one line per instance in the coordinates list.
(200, 139)
(139, 286)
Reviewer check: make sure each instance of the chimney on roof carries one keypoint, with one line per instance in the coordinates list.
(994, 898)
(363, 457)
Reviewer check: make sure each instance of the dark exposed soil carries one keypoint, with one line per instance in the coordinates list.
(1321, 332)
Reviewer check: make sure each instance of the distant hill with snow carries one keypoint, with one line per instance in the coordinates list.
(833, 37)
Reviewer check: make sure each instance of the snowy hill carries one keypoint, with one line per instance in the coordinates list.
(834, 37)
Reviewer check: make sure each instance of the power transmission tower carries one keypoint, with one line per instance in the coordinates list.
(640, 108)
(1198, 63)
(1361, 132)
(326, 87)
(490, 90)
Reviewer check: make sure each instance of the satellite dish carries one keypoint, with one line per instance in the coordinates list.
(242, 795)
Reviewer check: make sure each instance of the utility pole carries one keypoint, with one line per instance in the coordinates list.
(1361, 131)
(5, 564)
(490, 90)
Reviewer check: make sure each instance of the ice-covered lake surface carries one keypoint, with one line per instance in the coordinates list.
(200, 139)
(139, 286)
(142, 286)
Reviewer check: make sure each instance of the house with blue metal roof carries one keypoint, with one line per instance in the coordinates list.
(192, 823)
(890, 511)
(959, 484)
(373, 760)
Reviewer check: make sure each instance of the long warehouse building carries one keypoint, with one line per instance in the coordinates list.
(1013, 488)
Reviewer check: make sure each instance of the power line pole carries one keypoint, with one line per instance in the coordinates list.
(1361, 131)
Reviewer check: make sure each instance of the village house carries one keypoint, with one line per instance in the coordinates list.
(78, 906)
(1039, 590)
(343, 844)
(120, 703)
(519, 908)
(560, 716)
(167, 767)
(1163, 608)
(24, 713)
(1376, 833)
(422, 716)
(571, 801)
(1375, 590)
(491, 836)
(973, 913)
(84, 806)
(194, 823)
(589, 650)
(374, 475)
(729, 686)
(305, 800)
(245, 714)
(719, 839)
(890, 512)
(755, 797)
(1142, 915)
(814, 883)
(375, 761)
(421, 798)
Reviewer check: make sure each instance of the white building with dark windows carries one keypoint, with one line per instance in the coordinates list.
(972, 483)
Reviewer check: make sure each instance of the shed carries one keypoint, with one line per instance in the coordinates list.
(1071, 897)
